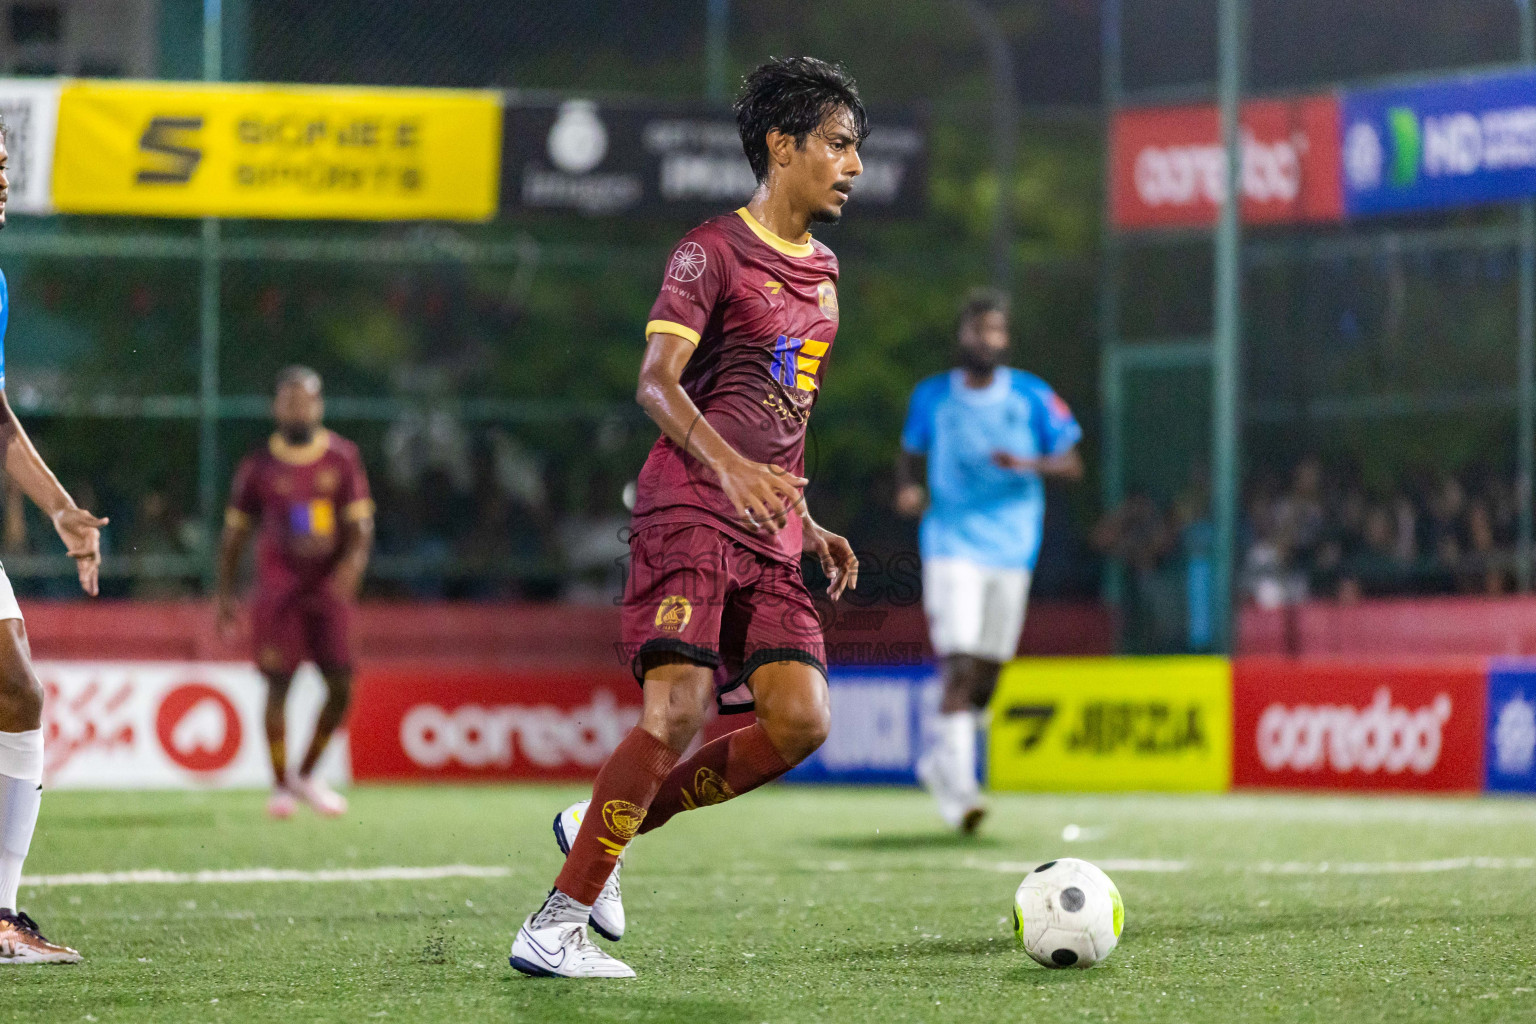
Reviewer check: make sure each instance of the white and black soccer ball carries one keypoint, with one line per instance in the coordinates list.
(1067, 913)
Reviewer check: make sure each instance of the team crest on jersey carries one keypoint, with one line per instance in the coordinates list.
(826, 298)
(623, 818)
(673, 614)
(326, 481)
(687, 262)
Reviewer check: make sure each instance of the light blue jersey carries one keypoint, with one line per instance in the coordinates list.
(978, 511)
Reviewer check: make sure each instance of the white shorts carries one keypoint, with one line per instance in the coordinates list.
(9, 609)
(974, 609)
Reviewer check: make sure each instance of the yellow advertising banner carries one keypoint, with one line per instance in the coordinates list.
(1112, 724)
(187, 149)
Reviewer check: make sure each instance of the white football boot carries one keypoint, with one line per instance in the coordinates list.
(608, 912)
(546, 947)
(324, 800)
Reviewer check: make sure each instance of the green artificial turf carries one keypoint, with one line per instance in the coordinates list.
(794, 905)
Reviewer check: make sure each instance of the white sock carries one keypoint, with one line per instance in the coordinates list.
(21, 794)
(957, 739)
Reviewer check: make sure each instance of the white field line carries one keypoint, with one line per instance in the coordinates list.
(1390, 867)
(152, 876)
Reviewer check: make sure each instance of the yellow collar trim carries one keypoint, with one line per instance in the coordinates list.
(300, 454)
(788, 248)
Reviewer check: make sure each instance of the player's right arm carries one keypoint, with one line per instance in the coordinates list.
(916, 438)
(78, 529)
(763, 494)
(239, 522)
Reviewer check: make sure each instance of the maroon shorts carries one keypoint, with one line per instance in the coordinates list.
(694, 591)
(311, 625)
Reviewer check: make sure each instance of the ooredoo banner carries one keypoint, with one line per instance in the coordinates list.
(1168, 167)
(1311, 725)
(1112, 724)
(488, 724)
(169, 725)
(186, 149)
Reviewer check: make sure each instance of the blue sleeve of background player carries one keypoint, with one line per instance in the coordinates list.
(917, 434)
(5, 319)
(1056, 429)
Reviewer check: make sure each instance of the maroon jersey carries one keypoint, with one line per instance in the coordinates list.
(763, 313)
(301, 494)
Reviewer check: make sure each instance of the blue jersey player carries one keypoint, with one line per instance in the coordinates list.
(989, 434)
(21, 696)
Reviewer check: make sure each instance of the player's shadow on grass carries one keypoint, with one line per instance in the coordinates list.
(897, 841)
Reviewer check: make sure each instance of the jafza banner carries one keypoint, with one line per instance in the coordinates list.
(186, 149)
(1168, 167)
(1322, 725)
(618, 158)
(1086, 724)
(169, 725)
(1440, 144)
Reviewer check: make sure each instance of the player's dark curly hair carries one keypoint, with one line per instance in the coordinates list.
(980, 301)
(793, 95)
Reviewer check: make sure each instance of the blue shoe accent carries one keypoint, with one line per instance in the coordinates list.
(565, 847)
(603, 931)
(530, 968)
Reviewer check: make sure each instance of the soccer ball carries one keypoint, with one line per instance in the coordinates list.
(1067, 913)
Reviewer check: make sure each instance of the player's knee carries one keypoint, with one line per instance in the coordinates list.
(799, 731)
(338, 688)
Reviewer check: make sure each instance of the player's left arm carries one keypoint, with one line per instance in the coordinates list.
(1056, 436)
(77, 528)
(838, 561)
(356, 535)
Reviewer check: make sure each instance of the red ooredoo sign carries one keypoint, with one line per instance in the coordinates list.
(488, 724)
(1302, 725)
(1168, 168)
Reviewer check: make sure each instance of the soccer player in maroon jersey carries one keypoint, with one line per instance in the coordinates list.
(307, 491)
(715, 604)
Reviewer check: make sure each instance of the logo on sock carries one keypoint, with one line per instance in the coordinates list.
(709, 788)
(673, 614)
(623, 818)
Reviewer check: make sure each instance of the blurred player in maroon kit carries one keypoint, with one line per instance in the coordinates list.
(307, 491)
(715, 605)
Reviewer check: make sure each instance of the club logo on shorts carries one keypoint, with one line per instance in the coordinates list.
(710, 788)
(826, 298)
(687, 262)
(623, 818)
(673, 613)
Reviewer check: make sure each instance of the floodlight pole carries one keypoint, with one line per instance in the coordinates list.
(1526, 428)
(208, 324)
(1226, 347)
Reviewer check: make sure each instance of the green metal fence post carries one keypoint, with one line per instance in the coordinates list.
(1526, 426)
(716, 26)
(1226, 378)
(208, 325)
(1111, 384)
